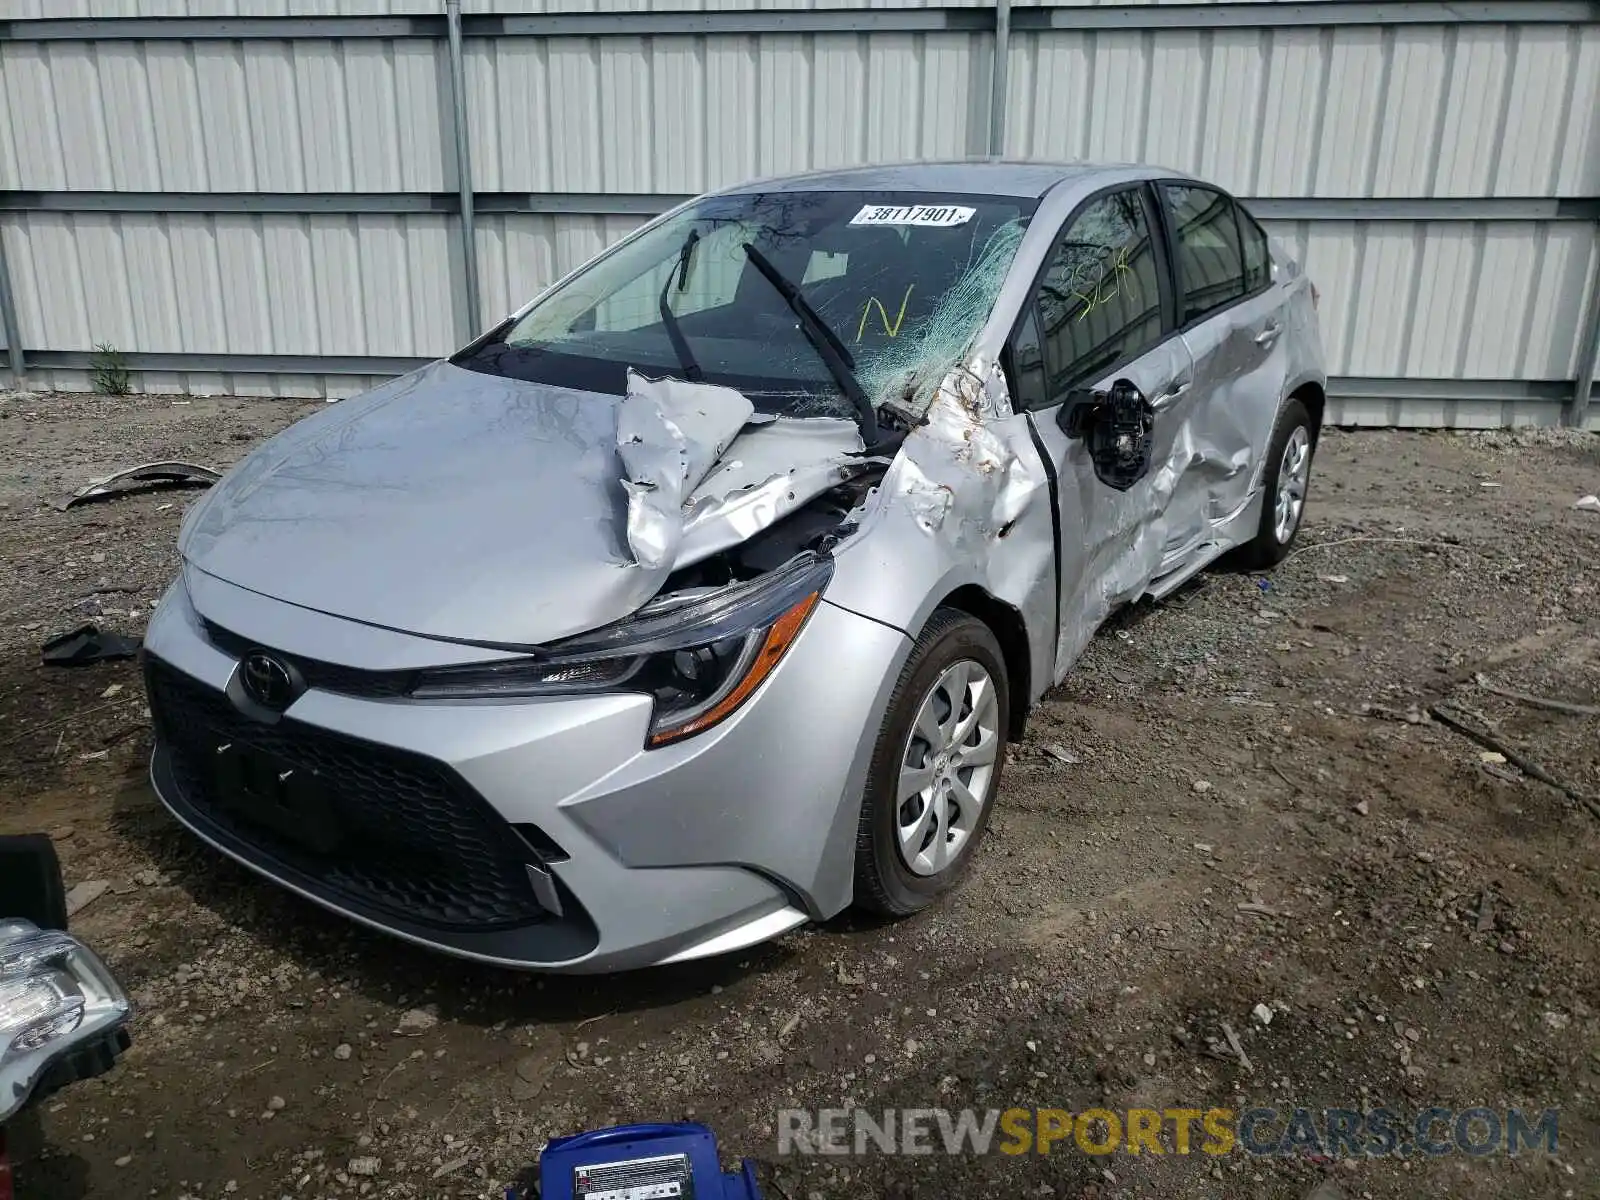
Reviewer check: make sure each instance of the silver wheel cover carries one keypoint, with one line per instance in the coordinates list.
(948, 768)
(1294, 472)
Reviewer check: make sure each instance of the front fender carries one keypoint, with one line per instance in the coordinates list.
(967, 504)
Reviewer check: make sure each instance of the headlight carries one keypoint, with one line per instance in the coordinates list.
(55, 996)
(700, 656)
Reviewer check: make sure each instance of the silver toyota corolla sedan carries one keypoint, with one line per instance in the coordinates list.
(699, 598)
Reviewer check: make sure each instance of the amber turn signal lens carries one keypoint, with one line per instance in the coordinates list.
(774, 646)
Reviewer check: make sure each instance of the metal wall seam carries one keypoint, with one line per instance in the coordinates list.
(1497, 299)
(1550, 393)
(8, 321)
(997, 90)
(1588, 351)
(1394, 114)
(1419, 403)
(646, 204)
(464, 181)
(1254, 15)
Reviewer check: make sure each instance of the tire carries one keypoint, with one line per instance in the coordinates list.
(1276, 533)
(894, 876)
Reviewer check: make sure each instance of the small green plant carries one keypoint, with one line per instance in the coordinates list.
(108, 371)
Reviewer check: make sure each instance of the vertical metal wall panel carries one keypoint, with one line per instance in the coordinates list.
(1458, 110)
(232, 283)
(1422, 110)
(1292, 98)
(1578, 172)
(17, 10)
(33, 148)
(1352, 111)
(230, 116)
(732, 111)
(26, 9)
(680, 114)
(1448, 299)
(1354, 83)
(1232, 131)
(1177, 80)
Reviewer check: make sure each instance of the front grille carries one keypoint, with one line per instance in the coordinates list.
(414, 841)
(325, 676)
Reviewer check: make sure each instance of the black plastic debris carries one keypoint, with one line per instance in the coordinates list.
(172, 474)
(87, 644)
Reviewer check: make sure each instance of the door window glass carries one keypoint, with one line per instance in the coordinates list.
(1210, 262)
(1027, 364)
(1257, 257)
(1100, 298)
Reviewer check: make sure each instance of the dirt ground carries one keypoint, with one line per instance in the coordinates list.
(1237, 799)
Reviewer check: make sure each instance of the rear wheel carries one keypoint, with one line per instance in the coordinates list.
(1287, 481)
(936, 767)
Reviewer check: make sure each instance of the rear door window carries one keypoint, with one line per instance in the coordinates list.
(1210, 259)
(1257, 254)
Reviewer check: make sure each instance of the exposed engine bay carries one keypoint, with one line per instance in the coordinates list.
(819, 524)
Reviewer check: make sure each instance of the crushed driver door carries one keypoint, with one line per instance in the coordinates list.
(1106, 380)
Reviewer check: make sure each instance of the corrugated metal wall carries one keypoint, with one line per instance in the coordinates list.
(1440, 180)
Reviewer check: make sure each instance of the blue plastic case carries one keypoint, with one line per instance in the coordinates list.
(642, 1162)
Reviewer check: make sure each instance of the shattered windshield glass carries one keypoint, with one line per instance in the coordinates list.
(904, 280)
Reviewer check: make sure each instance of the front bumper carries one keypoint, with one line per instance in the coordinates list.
(637, 857)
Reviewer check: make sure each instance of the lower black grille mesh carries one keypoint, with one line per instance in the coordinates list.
(414, 841)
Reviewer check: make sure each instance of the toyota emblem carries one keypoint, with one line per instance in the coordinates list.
(267, 681)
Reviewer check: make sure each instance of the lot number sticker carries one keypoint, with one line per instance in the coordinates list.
(941, 215)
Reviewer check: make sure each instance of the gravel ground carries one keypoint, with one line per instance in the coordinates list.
(1237, 799)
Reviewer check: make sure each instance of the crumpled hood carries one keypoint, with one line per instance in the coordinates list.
(445, 503)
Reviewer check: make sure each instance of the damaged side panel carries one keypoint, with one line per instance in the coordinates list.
(966, 502)
(1243, 382)
(1115, 543)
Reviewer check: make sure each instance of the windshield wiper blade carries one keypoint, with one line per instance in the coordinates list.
(684, 255)
(834, 354)
(669, 319)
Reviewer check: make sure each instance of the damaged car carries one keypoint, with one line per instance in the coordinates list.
(700, 598)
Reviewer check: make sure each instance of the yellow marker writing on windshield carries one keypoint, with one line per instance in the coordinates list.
(883, 315)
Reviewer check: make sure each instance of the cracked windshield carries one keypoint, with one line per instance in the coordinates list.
(783, 296)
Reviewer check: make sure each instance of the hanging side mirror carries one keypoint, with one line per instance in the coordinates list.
(1079, 411)
(1118, 427)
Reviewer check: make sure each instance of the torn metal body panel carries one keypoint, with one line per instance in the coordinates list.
(176, 474)
(669, 435)
(772, 469)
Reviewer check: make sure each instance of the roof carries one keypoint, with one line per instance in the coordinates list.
(983, 176)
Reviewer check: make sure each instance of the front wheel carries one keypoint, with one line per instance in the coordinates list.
(1287, 480)
(936, 767)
